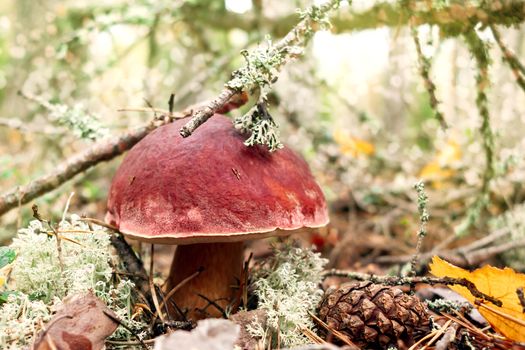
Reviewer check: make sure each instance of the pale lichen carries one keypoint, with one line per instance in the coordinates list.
(38, 282)
(288, 288)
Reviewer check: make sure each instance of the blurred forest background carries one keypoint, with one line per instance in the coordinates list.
(355, 105)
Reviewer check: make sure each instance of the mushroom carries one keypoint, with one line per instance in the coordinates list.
(207, 194)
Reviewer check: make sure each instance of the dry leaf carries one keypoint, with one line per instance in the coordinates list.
(80, 324)
(353, 146)
(500, 284)
(440, 167)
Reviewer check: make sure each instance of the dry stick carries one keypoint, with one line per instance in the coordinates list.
(434, 335)
(119, 322)
(132, 264)
(422, 200)
(37, 216)
(521, 298)
(398, 281)
(471, 254)
(130, 343)
(307, 332)
(101, 151)
(214, 304)
(424, 70)
(481, 305)
(100, 223)
(508, 56)
(294, 36)
(17, 124)
(480, 255)
(179, 286)
(461, 320)
(341, 336)
(152, 286)
(172, 292)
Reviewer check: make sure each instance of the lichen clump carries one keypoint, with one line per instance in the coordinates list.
(288, 288)
(37, 281)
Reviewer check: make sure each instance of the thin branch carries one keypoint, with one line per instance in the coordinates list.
(101, 151)
(131, 262)
(510, 58)
(381, 14)
(297, 35)
(471, 255)
(399, 281)
(129, 329)
(152, 286)
(17, 124)
(424, 71)
(168, 296)
(422, 201)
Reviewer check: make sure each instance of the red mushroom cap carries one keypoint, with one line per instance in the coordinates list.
(210, 187)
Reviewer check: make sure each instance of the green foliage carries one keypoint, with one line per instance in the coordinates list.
(288, 288)
(7, 256)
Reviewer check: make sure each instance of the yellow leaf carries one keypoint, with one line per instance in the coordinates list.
(433, 171)
(500, 284)
(2, 281)
(450, 153)
(439, 168)
(353, 146)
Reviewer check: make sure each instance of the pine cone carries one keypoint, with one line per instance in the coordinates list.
(373, 315)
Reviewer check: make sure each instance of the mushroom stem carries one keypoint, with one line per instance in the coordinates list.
(222, 262)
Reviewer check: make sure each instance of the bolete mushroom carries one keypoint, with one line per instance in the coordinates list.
(207, 194)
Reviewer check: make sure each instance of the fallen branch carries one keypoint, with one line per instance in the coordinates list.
(102, 151)
(470, 255)
(400, 281)
(17, 124)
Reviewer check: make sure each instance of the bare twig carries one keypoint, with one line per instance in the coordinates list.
(422, 201)
(100, 223)
(131, 262)
(152, 286)
(101, 151)
(508, 56)
(521, 298)
(214, 304)
(398, 281)
(424, 70)
(17, 124)
(471, 254)
(121, 323)
(37, 216)
(341, 336)
(168, 296)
